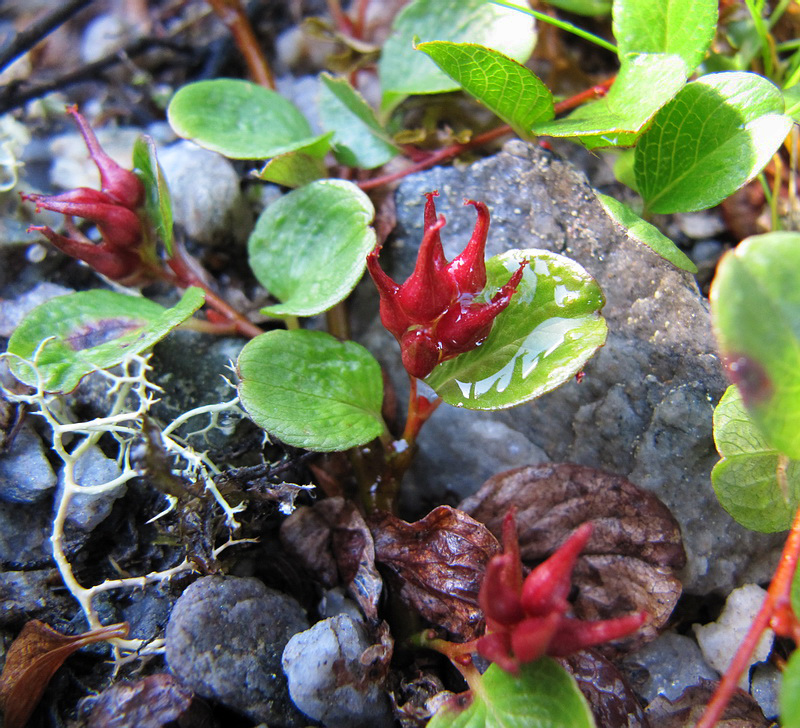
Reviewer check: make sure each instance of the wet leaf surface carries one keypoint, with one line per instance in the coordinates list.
(32, 660)
(628, 564)
(611, 698)
(742, 711)
(438, 562)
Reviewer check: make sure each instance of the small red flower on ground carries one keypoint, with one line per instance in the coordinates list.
(433, 314)
(528, 619)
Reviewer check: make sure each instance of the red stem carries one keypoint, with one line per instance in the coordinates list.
(776, 600)
(419, 410)
(595, 92)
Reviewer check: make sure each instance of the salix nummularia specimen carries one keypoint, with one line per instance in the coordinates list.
(528, 619)
(114, 209)
(433, 314)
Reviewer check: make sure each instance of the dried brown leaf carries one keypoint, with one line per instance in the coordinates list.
(742, 711)
(611, 698)
(439, 563)
(332, 541)
(629, 563)
(152, 702)
(32, 660)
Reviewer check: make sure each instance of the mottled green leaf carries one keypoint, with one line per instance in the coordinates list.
(755, 302)
(715, 135)
(789, 697)
(404, 71)
(293, 169)
(643, 85)
(242, 120)
(543, 695)
(757, 485)
(681, 27)
(157, 200)
(502, 84)
(549, 330)
(311, 390)
(358, 138)
(71, 336)
(309, 247)
(645, 233)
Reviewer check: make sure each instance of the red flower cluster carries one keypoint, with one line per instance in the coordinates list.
(433, 314)
(528, 619)
(113, 209)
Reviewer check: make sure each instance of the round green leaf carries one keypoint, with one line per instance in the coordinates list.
(309, 247)
(645, 233)
(789, 697)
(90, 330)
(502, 84)
(758, 486)
(242, 120)
(716, 134)
(293, 169)
(158, 203)
(311, 390)
(549, 330)
(405, 71)
(683, 27)
(755, 302)
(543, 695)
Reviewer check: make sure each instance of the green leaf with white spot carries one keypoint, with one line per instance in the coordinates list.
(309, 248)
(755, 483)
(293, 169)
(681, 27)
(502, 84)
(755, 305)
(643, 85)
(542, 695)
(404, 71)
(311, 390)
(715, 135)
(645, 233)
(242, 120)
(789, 697)
(157, 201)
(358, 139)
(71, 336)
(541, 340)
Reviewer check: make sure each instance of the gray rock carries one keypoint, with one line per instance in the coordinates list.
(24, 533)
(667, 666)
(644, 409)
(25, 472)
(224, 640)
(327, 679)
(87, 510)
(26, 595)
(765, 687)
(206, 199)
(13, 310)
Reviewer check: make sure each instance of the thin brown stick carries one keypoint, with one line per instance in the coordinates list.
(232, 13)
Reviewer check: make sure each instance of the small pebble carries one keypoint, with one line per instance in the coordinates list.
(87, 510)
(765, 688)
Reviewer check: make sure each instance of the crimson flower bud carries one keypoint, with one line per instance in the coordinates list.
(434, 314)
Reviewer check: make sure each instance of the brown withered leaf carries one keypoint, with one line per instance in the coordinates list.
(332, 541)
(742, 711)
(611, 698)
(629, 563)
(152, 702)
(32, 660)
(439, 563)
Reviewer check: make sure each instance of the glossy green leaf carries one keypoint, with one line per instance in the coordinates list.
(157, 201)
(755, 303)
(404, 71)
(293, 169)
(583, 7)
(358, 138)
(543, 695)
(714, 136)
(311, 390)
(643, 85)
(502, 84)
(645, 233)
(757, 485)
(549, 330)
(681, 27)
(791, 97)
(309, 248)
(242, 120)
(90, 330)
(789, 698)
